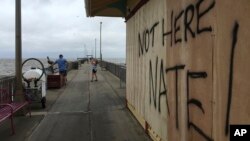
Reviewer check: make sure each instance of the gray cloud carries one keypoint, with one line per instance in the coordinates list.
(51, 27)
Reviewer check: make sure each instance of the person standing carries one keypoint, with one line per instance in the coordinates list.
(62, 66)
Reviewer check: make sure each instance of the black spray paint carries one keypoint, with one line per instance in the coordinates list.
(145, 38)
(176, 69)
(182, 21)
(195, 102)
(231, 69)
(153, 85)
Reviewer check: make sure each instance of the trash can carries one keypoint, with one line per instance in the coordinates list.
(75, 65)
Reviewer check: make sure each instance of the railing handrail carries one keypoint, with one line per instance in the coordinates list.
(118, 70)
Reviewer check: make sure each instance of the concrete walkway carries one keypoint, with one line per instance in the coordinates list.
(85, 111)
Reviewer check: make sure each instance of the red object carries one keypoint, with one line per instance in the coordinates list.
(8, 107)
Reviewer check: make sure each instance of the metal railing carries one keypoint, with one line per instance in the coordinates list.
(116, 69)
(72, 65)
(7, 83)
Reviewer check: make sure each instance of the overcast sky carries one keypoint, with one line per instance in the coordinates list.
(53, 27)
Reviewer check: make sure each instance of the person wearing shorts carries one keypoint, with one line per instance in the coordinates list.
(94, 69)
(62, 66)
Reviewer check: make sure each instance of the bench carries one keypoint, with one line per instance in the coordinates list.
(8, 107)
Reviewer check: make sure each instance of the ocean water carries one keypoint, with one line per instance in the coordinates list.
(7, 66)
(116, 60)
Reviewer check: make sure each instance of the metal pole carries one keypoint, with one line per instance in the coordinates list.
(95, 47)
(85, 51)
(18, 52)
(101, 41)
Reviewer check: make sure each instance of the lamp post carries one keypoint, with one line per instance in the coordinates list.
(85, 50)
(18, 52)
(95, 47)
(101, 42)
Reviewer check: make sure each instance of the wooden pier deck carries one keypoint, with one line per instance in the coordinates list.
(80, 111)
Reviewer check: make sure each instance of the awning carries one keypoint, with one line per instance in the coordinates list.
(110, 8)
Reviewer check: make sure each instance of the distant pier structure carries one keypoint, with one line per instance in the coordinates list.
(83, 59)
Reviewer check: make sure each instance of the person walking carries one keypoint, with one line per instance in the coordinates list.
(62, 66)
(94, 69)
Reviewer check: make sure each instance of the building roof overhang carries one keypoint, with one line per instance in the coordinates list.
(109, 8)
